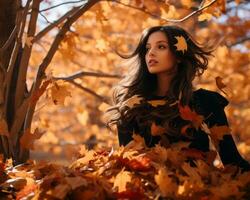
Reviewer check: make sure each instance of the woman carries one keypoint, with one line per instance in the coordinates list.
(157, 99)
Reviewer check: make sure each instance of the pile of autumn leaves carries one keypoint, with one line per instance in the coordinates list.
(131, 172)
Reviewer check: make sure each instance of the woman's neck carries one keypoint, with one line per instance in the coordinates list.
(163, 84)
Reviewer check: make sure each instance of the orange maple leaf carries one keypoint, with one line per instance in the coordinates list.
(187, 114)
(181, 44)
(217, 132)
(157, 130)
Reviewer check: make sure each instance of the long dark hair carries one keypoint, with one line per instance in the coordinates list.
(139, 81)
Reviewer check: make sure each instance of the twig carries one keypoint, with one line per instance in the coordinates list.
(81, 74)
(164, 19)
(69, 2)
(241, 40)
(10, 39)
(101, 98)
(53, 25)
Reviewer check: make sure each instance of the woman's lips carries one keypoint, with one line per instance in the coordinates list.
(151, 63)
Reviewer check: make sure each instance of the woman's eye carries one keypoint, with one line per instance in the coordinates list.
(160, 47)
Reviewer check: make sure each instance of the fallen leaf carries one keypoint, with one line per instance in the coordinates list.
(166, 185)
(121, 180)
(157, 130)
(132, 101)
(187, 114)
(217, 132)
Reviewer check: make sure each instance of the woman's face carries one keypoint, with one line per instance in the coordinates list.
(158, 57)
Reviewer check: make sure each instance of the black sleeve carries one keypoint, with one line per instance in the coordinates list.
(227, 149)
(125, 131)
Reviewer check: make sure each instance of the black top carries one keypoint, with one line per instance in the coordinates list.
(209, 104)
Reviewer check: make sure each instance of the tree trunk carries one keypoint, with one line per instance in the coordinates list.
(8, 15)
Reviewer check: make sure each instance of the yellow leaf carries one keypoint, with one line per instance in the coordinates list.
(204, 16)
(83, 117)
(165, 183)
(101, 45)
(59, 93)
(156, 103)
(121, 180)
(89, 155)
(131, 102)
(4, 128)
(187, 3)
(192, 173)
(181, 44)
(103, 106)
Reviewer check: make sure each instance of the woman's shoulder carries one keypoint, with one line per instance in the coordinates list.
(210, 98)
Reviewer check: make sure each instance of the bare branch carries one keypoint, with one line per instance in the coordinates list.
(81, 74)
(101, 98)
(241, 40)
(46, 19)
(10, 39)
(164, 19)
(69, 2)
(56, 23)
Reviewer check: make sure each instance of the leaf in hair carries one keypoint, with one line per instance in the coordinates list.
(181, 44)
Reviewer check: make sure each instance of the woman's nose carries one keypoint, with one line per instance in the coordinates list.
(151, 51)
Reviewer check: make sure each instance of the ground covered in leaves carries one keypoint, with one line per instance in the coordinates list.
(130, 172)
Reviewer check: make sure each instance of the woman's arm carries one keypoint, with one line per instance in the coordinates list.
(125, 131)
(226, 146)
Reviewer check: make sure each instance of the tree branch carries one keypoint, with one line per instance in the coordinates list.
(21, 81)
(59, 37)
(81, 74)
(56, 23)
(167, 20)
(64, 3)
(10, 39)
(241, 40)
(21, 21)
(101, 98)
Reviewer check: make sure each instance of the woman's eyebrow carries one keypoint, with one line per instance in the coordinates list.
(159, 41)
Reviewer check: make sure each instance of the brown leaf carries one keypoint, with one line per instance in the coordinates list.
(217, 132)
(187, 114)
(220, 84)
(157, 130)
